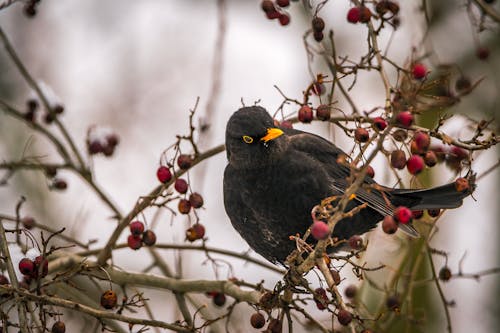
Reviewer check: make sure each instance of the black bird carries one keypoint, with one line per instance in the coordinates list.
(275, 177)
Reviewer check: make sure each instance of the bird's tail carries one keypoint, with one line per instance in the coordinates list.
(441, 197)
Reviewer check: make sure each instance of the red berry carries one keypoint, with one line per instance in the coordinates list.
(284, 19)
(163, 173)
(389, 225)
(181, 185)
(416, 214)
(415, 164)
(112, 139)
(434, 212)
(398, 159)
(320, 230)
(419, 71)
(272, 14)
(318, 24)
(422, 141)
(344, 317)
(108, 299)
(28, 222)
(41, 266)
(320, 298)
(257, 320)
(219, 299)
(430, 158)
(405, 118)
(370, 172)
(323, 112)
(355, 242)
(379, 123)
(59, 184)
(184, 161)
(94, 147)
(361, 135)
(318, 36)
(136, 228)
(353, 15)
(267, 6)
(149, 238)
(58, 327)
(197, 231)
(283, 3)
(184, 206)
(402, 214)
(27, 267)
(196, 200)
(350, 291)
(305, 114)
(134, 242)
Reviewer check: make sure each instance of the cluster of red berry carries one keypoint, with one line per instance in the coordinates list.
(33, 269)
(386, 10)
(101, 140)
(138, 236)
(32, 110)
(275, 10)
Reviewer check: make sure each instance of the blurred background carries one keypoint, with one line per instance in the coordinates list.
(138, 67)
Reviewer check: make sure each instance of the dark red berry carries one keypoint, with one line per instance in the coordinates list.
(41, 266)
(389, 225)
(353, 15)
(335, 276)
(393, 303)
(415, 164)
(386, 6)
(305, 114)
(284, 19)
(219, 299)
(184, 161)
(109, 299)
(434, 212)
(94, 147)
(379, 123)
(318, 36)
(323, 112)
(28, 222)
(320, 298)
(181, 185)
(430, 158)
(419, 71)
(273, 14)
(275, 326)
(27, 266)
(402, 214)
(112, 139)
(344, 317)
(320, 230)
(3, 280)
(163, 174)
(318, 24)
(355, 242)
(257, 320)
(58, 327)
(134, 242)
(29, 10)
(398, 159)
(461, 184)
(184, 206)
(149, 238)
(445, 274)
(483, 53)
(197, 231)
(400, 135)
(267, 6)
(59, 184)
(364, 14)
(283, 3)
(350, 291)
(370, 172)
(405, 118)
(136, 228)
(416, 214)
(196, 200)
(361, 135)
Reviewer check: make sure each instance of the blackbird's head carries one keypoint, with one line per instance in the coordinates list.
(252, 140)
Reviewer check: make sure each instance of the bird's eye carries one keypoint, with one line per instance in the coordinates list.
(247, 139)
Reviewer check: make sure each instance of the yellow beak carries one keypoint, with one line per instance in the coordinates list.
(272, 133)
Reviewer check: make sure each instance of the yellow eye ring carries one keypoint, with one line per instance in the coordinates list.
(247, 139)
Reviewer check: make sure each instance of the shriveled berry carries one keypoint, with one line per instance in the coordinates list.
(58, 327)
(386, 6)
(350, 291)
(318, 36)
(283, 3)
(109, 299)
(320, 230)
(275, 326)
(416, 214)
(379, 123)
(320, 298)
(389, 225)
(134, 242)
(163, 174)
(27, 266)
(419, 71)
(445, 274)
(184, 161)
(136, 228)
(323, 112)
(267, 6)
(219, 299)
(402, 214)
(284, 19)
(335, 276)
(184, 206)
(405, 118)
(364, 14)
(400, 135)
(353, 15)
(181, 185)
(415, 164)
(149, 238)
(461, 184)
(257, 320)
(355, 242)
(41, 266)
(462, 84)
(398, 159)
(305, 114)
(434, 212)
(318, 24)
(392, 302)
(361, 135)
(430, 158)
(28, 222)
(344, 317)
(197, 231)
(196, 200)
